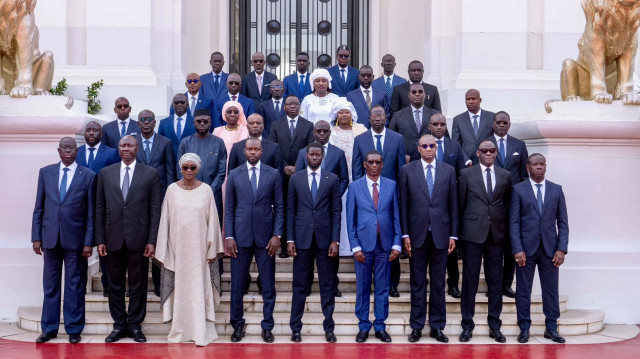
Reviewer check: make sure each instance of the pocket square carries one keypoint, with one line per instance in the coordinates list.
(515, 154)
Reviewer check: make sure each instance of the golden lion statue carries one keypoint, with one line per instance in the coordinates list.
(604, 69)
(23, 70)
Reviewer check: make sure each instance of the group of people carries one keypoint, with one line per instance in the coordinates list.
(317, 166)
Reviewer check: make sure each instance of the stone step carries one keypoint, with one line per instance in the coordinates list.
(572, 322)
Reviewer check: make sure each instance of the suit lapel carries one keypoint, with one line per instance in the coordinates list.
(55, 176)
(437, 180)
(508, 147)
(76, 178)
(138, 172)
(154, 148)
(365, 187)
(547, 195)
(262, 179)
(296, 130)
(419, 173)
(324, 182)
(98, 156)
(478, 175)
(532, 198)
(246, 181)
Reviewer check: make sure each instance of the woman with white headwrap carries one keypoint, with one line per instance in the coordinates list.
(188, 249)
(317, 106)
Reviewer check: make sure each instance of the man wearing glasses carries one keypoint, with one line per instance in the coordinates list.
(344, 78)
(273, 109)
(113, 131)
(234, 83)
(255, 85)
(196, 99)
(399, 99)
(178, 125)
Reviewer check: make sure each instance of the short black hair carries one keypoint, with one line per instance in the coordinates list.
(416, 62)
(366, 67)
(372, 152)
(217, 53)
(302, 53)
(202, 112)
(315, 145)
(532, 156)
(343, 47)
(501, 113)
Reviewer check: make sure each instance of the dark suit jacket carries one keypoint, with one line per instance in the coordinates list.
(208, 87)
(378, 98)
(162, 159)
(529, 228)
(403, 122)
(111, 132)
(306, 217)
(340, 88)
(392, 154)
(271, 155)
(133, 222)
(334, 162)
(454, 156)
(292, 87)
(516, 161)
(250, 87)
(380, 85)
(267, 110)
(216, 117)
(400, 97)
(71, 220)
(289, 147)
(252, 220)
(419, 211)
(166, 129)
(203, 101)
(462, 131)
(478, 215)
(104, 157)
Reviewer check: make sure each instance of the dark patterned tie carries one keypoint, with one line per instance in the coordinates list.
(63, 185)
(430, 180)
(389, 88)
(92, 158)
(376, 198)
(539, 196)
(147, 151)
(489, 184)
(125, 184)
(314, 187)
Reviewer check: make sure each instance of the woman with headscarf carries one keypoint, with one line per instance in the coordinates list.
(188, 248)
(317, 106)
(234, 131)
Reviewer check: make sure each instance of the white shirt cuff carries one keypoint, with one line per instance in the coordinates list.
(229, 238)
(289, 241)
(356, 249)
(454, 238)
(397, 248)
(467, 163)
(405, 236)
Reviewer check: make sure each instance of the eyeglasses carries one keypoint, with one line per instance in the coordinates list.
(277, 87)
(374, 162)
(67, 148)
(487, 150)
(192, 168)
(232, 112)
(257, 61)
(179, 102)
(202, 122)
(123, 106)
(438, 124)
(428, 145)
(415, 92)
(146, 119)
(194, 81)
(233, 82)
(343, 56)
(292, 104)
(378, 117)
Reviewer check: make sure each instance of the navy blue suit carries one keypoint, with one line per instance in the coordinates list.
(203, 101)
(339, 87)
(380, 85)
(539, 235)
(111, 132)
(63, 228)
(250, 87)
(268, 112)
(271, 155)
(162, 159)
(208, 87)
(292, 86)
(216, 118)
(392, 154)
(516, 158)
(334, 162)
(378, 98)
(166, 129)
(104, 157)
(252, 221)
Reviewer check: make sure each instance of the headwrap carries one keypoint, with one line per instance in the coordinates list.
(242, 120)
(192, 157)
(342, 104)
(202, 112)
(319, 73)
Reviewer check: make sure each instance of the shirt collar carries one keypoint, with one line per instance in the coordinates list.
(214, 74)
(131, 166)
(498, 137)
(295, 119)
(153, 137)
(364, 89)
(257, 74)
(184, 117)
(471, 114)
(301, 74)
(280, 100)
(72, 167)
(318, 171)
(425, 164)
(484, 168)
(534, 183)
(237, 96)
(197, 95)
(260, 138)
(390, 77)
(128, 120)
(96, 146)
(383, 133)
(370, 182)
(257, 166)
(413, 109)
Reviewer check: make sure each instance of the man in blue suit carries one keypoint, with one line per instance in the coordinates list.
(297, 83)
(62, 232)
(113, 131)
(344, 78)
(179, 125)
(271, 155)
(364, 98)
(234, 82)
(389, 79)
(255, 84)
(214, 83)
(195, 98)
(373, 226)
(539, 228)
(272, 110)
(254, 223)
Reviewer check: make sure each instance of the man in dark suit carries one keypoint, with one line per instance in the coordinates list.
(179, 125)
(62, 232)
(297, 83)
(214, 83)
(233, 86)
(313, 226)
(473, 126)
(412, 122)
(271, 155)
(127, 217)
(365, 97)
(389, 79)
(273, 109)
(483, 193)
(373, 226)
(254, 223)
(400, 99)
(291, 133)
(195, 98)
(539, 227)
(344, 78)
(512, 156)
(429, 220)
(255, 84)
(113, 131)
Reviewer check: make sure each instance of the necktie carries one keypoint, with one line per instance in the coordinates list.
(216, 84)
(502, 151)
(389, 89)
(234, 97)
(368, 99)
(278, 107)
(376, 197)
(179, 128)
(259, 78)
(326, 148)
(63, 185)
(430, 180)
(192, 108)
(539, 196)
(378, 143)
(254, 182)
(489, 184)
(440, 152)
(301, 85)
(475, 125)
(314, 187)
(123, 131)
(92, 158)
(344, 80)
(292, 128)
(147, 151)
(417, 119)
(125, 184)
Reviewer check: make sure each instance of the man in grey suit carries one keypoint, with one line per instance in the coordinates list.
(471, 127)
(399, 99)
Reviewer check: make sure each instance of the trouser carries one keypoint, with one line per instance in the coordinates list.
(136, 265)
(376, 263)
(436, 261)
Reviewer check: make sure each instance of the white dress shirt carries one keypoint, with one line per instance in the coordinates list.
(153, 137)
(375, 140)
(280, 103)
(310, 176)
(231, 96)
(132, 167)
(498, 144)
(88, 153)
(72, 170)
(257, 166)
(471, 114)
(413, 114)
(364, 94)
(126, 126)
(493, 176)
(189, 96)
(183, 123)
(535, 188)
(388, 77)
(346, 72)
(295, 121)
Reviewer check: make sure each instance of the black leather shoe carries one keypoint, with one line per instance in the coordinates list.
(137, 336)
(296, 337)
(497, 335)
(523, 337)
(383, 336)
(454, 292)
(238, 334)
(465, 336)
(45, 337)
(393, 292)
(415, 335)
(330, 337)
(283, 254)
(553, 335)
(439, 335)
(105, 293)
(157, 293)
(267, 336)
(362, 336)
(116, 335)
(508, 292)
(74, 338)
(338, 293)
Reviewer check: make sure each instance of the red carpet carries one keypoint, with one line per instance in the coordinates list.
(620, 350)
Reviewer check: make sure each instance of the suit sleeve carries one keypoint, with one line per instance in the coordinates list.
(155, 207)
(393, 125)
(562, 220)
(89, 233)
(233, 158)
(38, 210)
(402, 160)
(310, 137)
(336, 212)
(453, 205)
(515, 224)
(170, 165)
(181, 151)
(260, 111)
(161, 128)
(462, 157)
(285, 83)
(292, 201)
(222, 168)
(356, 162)
(278, 207)
(436, 100)
(279, 162)
(244, 90)
(250, 109)
(352, 218)
(462, 199)
(403, 185)
(524, 158)
(395, 101)
(216, 116)
(230, 206)
(344, 175)
(397, 231)
(300, 160)
(100, 211)
(273, 134)
(455, 131)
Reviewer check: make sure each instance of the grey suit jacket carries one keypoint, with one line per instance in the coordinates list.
(162, 159)
(462, 131)
(404, 123)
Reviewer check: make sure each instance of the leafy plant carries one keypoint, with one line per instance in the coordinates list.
(60, 88)
(93, 91)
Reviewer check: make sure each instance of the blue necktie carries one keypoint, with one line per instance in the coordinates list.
(430, 180)
(278, 108)
(301, 85)
(63, 185)
(125, 184)
(344, 80)
(502, 151)
(489, 184)
(216, 85)
(389, 88)
(92, 158)
(440, 152)
(192, 108)
(254, 182)
(378, 143)
(123, 131)
(539, 196)
(417, 119)
(179, 128)
(147, 151)
(314, 187)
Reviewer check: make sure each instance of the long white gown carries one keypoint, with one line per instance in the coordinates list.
(315, 108)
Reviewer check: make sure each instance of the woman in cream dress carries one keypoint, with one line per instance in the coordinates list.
(317, 106)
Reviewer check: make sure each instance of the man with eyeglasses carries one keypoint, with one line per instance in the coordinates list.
(399, 98)
(297, 83)
(214, 83)
(484, 191)
(178, 125)
(195, 98)
(412, 122)
(365, 97)
(344, 78)
(113, 131)
(389, 80)
(273, 109)
(472, 126)
(234, 83)
(255, 85)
